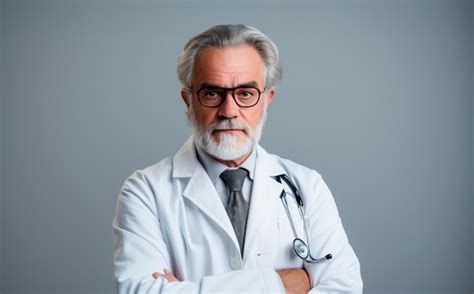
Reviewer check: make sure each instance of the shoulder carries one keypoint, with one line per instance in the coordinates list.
(146, 178)
(309, 182)
(294, 170)
(180, 164)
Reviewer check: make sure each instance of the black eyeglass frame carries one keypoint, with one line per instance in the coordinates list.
(233, 95)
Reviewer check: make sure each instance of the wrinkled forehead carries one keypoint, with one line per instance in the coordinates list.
(229, 67)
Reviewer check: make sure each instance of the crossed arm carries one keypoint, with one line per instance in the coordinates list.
(140, 250)
(294, 280)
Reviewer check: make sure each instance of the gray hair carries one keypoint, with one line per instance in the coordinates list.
(223, 36)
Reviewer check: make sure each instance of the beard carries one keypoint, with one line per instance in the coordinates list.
(228, 146)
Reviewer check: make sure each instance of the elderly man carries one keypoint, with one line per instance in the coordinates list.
(222, 214)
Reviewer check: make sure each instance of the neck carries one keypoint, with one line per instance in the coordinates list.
(234, 162)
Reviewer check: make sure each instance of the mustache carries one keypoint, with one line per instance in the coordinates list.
(228, 124)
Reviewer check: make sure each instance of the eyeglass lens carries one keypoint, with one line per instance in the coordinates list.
(214, 96)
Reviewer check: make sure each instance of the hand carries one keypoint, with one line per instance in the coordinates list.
(166, 274)
(295, 280)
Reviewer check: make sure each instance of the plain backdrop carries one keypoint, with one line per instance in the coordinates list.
(377, 96)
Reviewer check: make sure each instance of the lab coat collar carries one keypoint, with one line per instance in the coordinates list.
(185, 160)
(201, 191)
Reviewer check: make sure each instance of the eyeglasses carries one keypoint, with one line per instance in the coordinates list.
(215, 96)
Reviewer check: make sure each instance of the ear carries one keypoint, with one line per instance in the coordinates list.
(185, 97)
(269, 96)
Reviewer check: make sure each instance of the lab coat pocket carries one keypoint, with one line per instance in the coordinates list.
(265, 259)
(266, 248)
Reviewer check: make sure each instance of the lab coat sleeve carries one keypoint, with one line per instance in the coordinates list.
(140, 250)
(341, 274)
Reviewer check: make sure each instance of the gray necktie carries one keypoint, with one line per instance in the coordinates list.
(237, 208)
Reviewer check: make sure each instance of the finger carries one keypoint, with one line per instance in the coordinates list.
(169, 276)
(156, 275)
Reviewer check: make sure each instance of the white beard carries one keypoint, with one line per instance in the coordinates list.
(229, 147)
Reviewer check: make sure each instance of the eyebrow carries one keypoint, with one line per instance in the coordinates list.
(250, 84)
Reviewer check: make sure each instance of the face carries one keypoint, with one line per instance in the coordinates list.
(227, 132)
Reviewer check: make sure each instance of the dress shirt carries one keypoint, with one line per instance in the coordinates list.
(214, 168)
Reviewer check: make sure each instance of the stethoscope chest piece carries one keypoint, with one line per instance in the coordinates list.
(300, 248)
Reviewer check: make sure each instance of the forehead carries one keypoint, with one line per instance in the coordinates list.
(228, 67)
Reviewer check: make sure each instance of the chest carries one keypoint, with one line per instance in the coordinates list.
(201, 241)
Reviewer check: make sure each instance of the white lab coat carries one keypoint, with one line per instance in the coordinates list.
(169, 215)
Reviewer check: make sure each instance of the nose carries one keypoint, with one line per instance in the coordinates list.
(228, 109)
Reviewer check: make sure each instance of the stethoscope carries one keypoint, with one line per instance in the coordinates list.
(299, 246)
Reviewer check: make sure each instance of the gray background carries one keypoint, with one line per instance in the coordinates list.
(376, 96)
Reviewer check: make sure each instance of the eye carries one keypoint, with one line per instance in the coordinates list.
(212, 94)
(246, 93)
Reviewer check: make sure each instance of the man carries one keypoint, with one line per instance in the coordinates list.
(222, 214)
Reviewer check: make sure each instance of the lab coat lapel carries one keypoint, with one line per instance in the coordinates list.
(262, 230)
(199, 189)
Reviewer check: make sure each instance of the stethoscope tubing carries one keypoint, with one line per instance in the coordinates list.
(301, 249)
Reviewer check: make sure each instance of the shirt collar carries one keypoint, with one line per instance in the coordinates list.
(214, 168)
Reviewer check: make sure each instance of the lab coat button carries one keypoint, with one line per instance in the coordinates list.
(235, 262)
